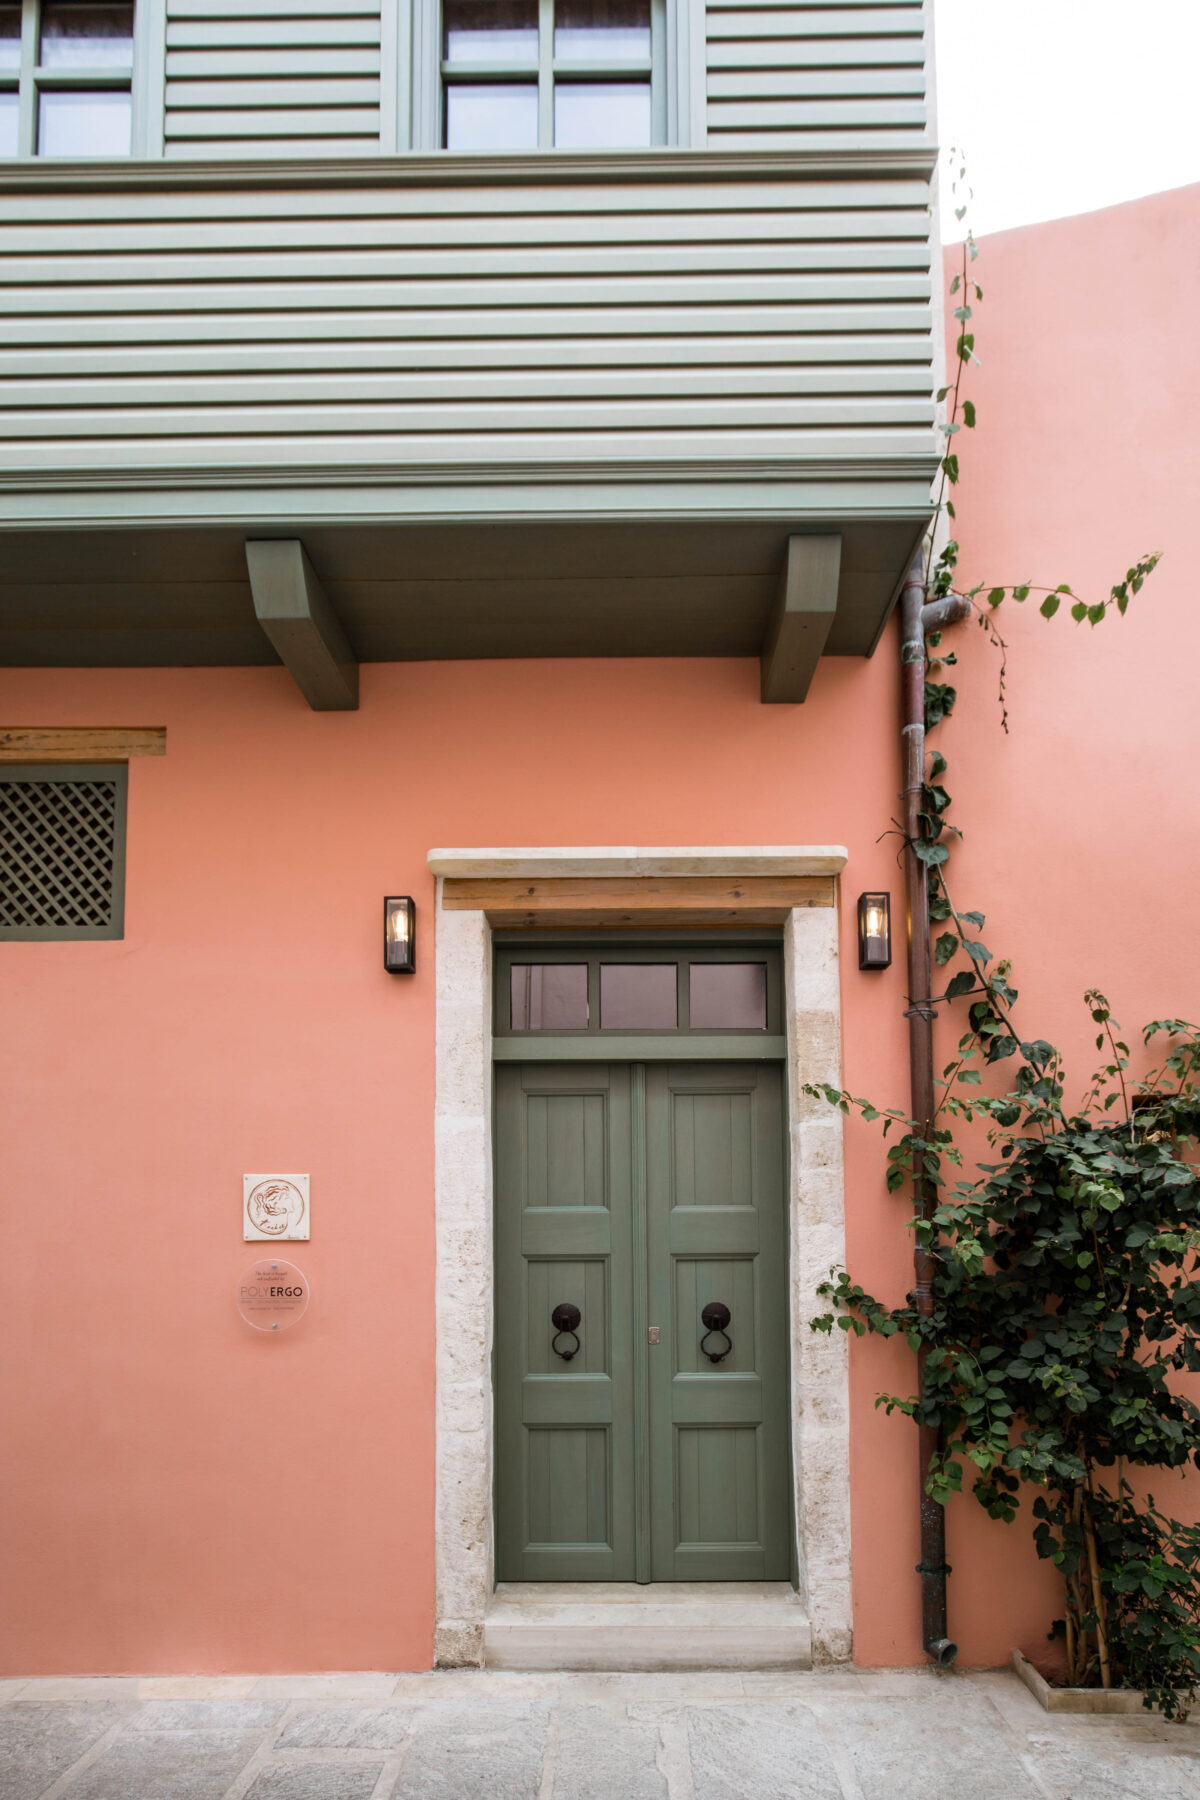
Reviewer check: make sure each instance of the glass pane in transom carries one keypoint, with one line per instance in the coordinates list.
(78, 34)
(638, 997)
(728, 996)
(10, 34)
(549, 996)
(602, 115)
(602, 31)
(490, 31)
(492, 117)
(8, 124)
(74, 122)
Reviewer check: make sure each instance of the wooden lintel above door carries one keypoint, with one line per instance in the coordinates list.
(618, 902)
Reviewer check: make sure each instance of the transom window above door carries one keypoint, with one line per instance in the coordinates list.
(540, 74)
(66, 74)
(651, 990)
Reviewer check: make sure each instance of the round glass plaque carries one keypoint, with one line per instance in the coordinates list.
(272, 1294)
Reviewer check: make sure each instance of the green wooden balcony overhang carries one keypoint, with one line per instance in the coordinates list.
(624, 404)
(788, 588)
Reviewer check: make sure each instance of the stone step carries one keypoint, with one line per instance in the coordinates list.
(619, 1626)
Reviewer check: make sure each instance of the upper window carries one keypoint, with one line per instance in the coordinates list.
(572, 74)
(66, 71)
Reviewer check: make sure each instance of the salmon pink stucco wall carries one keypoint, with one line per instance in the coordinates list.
(1083, 822)
(184, 1495)
(191, 1496)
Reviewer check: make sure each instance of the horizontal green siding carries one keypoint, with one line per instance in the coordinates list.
(485, 325)
(272, 78)
(787, 74)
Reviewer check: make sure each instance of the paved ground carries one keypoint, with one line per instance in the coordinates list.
(466, 1736)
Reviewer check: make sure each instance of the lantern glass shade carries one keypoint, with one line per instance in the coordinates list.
(874, 931)
(399, 935)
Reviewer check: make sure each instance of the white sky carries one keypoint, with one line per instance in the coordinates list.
(1063, 106)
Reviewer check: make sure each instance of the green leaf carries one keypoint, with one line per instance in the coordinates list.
(962, 983)
(1050, 606)
(1079, 611)
(945, 947)
(996, 595)
(968, 413)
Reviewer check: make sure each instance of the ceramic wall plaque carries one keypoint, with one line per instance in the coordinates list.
(275, 1208)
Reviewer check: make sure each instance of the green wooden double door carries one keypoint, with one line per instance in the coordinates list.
(640, 1194)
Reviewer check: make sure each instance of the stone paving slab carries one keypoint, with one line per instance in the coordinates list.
(473, 1735)
(346, 1728)
(761, 1749)
(175, 1765)
(475, 1752)
(316, 1781)
(600, 1751)
(39, 1743)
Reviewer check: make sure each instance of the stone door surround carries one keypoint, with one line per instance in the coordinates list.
(463, 1191)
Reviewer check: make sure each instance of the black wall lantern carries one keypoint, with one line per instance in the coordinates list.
(399, 935)
(874, 931)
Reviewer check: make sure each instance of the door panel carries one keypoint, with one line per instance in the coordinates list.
(639, 1194)
(564, 1429)
(715, 1231)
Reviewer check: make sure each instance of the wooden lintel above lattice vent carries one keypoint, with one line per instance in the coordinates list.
(618, 902)
(80, 743)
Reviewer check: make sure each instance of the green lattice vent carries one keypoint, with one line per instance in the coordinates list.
(62, 852)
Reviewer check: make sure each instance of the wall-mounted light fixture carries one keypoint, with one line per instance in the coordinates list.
(874, 931)
(399, 935)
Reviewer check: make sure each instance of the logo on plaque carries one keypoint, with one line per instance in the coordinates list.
(274, 1206)
(272, 1294)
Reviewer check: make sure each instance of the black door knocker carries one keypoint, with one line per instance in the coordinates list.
(715, 1316)
(564, 1319)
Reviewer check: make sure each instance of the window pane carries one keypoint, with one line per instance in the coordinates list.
(79, 35)
(549, 996)
(492, 118)
(10, 38)
(8, 124)
(638, 997)
(74, 122)
(491, 31)
(601, 30)
(728, 996)
(608, 115)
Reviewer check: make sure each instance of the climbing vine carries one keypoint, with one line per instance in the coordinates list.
(1066, 1271)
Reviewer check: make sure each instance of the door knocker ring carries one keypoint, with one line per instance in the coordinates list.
(565, 1318)
(715, 1316)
